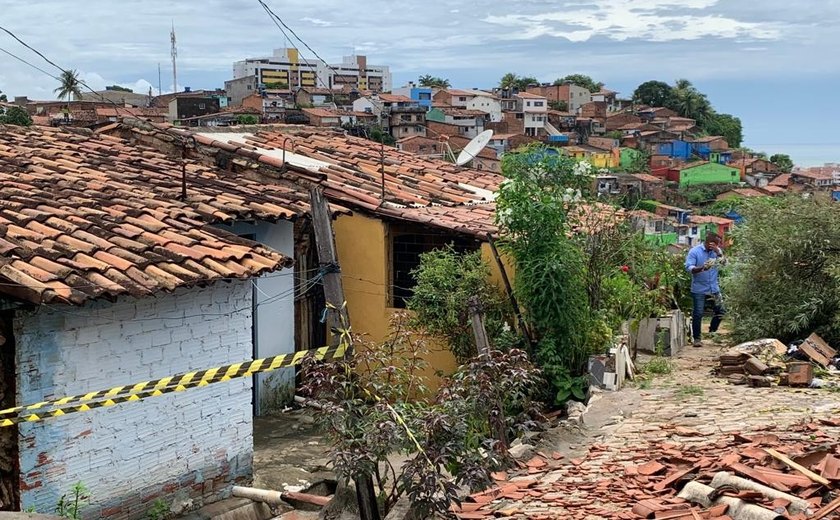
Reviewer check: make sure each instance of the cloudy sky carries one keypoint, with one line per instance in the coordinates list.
(774, 63)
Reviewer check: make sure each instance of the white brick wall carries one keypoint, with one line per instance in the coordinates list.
(121, 451)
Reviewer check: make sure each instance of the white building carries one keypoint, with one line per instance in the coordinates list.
(535, 112)
(287, 67)
(472, 100)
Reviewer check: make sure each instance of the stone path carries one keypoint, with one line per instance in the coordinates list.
(688, 413)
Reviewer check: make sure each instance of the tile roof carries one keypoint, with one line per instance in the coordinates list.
(84, 216)
(646, 177)
(528, 95)
(782, 180)
(773, 190)
(132, 112)
(709, 219)
(746, 192)
(320, 112)
(461, 92)
(392, 98)
(462, 112)
(707, 139)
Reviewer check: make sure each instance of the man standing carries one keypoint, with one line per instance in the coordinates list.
(702, 262)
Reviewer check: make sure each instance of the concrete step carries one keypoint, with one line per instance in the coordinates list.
(232, 509)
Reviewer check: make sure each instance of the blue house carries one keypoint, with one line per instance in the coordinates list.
(422, 95)
(835, 195)
(677, 148)
(701, 149)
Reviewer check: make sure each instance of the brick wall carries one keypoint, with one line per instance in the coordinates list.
(181, 447)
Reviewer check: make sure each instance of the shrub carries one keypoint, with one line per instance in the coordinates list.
(446, 280)
(785, 278)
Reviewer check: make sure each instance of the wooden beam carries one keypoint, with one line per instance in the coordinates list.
(802, 469)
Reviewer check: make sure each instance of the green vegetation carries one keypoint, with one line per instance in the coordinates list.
(158, 511)
(783, 161)
(117, 88)
(15, 116)
(368, 412)
(684, 392)
(70, 87)
(70, 504)
(657, 365)
(511, 80)
(3, 97)
(785, 279)
(433, 81)
(560, 106)
(581, 80)
(445, 282)
(687, 101)
(247, 119)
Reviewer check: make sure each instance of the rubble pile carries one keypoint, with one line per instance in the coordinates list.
(790, 474)
(766, 362)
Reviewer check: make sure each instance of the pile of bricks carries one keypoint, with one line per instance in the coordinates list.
(763, 363)
(790, 474)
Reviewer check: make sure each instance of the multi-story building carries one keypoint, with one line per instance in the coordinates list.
(480, 100)
(287, 69)
(535, 112)
(573, 95)
(422, 95)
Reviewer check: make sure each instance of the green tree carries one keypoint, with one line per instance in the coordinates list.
(247, 119)
(428, 80)
(654, 93)
(690, 102)
(71, 87)
(16, 116)
(783, 161)
(533, 208)
(3, 97)
(118, 88)
(446, 280)
(511, 80)
(560, 106)
(784, 281)
(581, 80)
(725, 125)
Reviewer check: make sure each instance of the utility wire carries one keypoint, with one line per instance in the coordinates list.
(28, 63)
(281, 25)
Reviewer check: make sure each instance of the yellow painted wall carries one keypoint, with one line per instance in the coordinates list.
(363, 249)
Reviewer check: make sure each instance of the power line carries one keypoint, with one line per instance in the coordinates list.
(28, 63)
(280, 25)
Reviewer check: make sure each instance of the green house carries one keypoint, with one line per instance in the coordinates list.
(705, 173)
(628, 157)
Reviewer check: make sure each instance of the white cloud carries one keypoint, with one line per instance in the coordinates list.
(317, 21)
(651, 20)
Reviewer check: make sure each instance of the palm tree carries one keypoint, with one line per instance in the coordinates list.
(509, 80)
(428, 80)
(70, 86)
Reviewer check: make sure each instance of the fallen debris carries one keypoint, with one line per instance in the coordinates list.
(791, 474)
(766, 362)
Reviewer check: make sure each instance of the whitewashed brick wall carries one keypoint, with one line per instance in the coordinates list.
(178, 445)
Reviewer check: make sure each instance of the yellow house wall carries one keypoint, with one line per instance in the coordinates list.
(363, 249)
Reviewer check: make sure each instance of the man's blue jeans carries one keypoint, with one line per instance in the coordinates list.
(699, 301)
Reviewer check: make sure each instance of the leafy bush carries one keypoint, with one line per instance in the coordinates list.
(785, 278)
(368, 414)
(533, 207)
(247, 119)
(446, 280)
(16, 116)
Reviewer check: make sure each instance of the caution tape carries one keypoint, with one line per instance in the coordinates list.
(179, 382)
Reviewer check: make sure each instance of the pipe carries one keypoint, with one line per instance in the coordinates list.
(723, 478)
(698, 493)
(273, 498)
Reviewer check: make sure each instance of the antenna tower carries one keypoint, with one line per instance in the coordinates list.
(174, 55)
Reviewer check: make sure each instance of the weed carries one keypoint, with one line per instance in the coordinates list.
(658, 365)
(158, 511)
(685, 391)
(642, 382)
(71, 507)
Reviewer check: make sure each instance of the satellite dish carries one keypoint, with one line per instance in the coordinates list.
(474, 147)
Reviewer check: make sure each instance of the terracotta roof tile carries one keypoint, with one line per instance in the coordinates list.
(84, 215)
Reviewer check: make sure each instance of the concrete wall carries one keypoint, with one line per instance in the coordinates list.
(488, 105)
(274, 322)
(181, 447)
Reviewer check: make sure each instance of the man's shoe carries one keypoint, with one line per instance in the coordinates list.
(698, 343)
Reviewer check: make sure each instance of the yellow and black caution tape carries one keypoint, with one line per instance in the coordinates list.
(179, 382)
